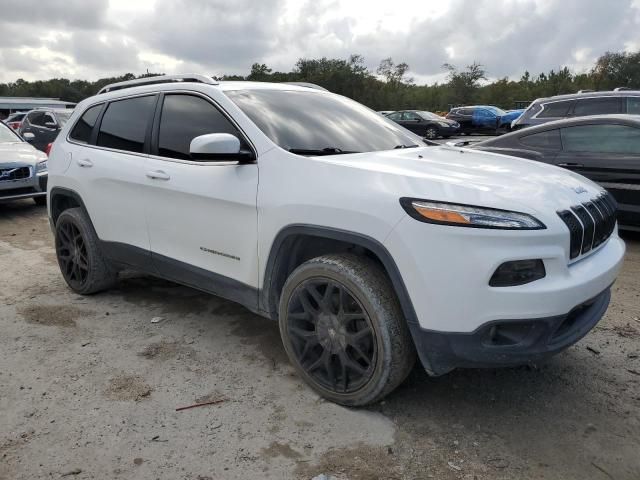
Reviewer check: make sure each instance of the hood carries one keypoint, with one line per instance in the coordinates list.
(465, 176)
(19, 153)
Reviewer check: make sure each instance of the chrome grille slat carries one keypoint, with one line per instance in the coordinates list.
(589, 224)
(8, 174)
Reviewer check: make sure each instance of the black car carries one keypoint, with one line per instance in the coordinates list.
(40, 127)
(426, 124)
(604, 148)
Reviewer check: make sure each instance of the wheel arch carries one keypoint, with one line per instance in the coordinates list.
(295, 244)
(61, 199)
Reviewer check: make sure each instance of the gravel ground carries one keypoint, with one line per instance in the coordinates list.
(89, 388)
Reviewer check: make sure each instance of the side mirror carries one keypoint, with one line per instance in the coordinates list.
(28, 136)
(221, 147)
(51, 125)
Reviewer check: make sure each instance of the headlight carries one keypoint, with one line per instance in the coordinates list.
(444, 213)
(444, 124)
(41, 166)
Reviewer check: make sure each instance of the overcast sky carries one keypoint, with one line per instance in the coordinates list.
(89, 39)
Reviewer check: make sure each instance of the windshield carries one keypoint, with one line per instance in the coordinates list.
(315, 123)
(7, 135)
(430, 116)
(63, 117)
(496, 110)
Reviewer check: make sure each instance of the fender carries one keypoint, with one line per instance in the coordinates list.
(278, 254)
(65, 192)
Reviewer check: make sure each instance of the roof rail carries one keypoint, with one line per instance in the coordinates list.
(621, 89)
(586, 90)
(307, 84)
(188, 77)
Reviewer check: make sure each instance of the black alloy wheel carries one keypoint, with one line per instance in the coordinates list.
(72, 255)
(331, 335)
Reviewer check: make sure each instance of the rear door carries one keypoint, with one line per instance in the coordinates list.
(108, 145)
(609, 155)
(414, 122)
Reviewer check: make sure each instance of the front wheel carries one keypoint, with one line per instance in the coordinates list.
(343, 329)
(431, 133)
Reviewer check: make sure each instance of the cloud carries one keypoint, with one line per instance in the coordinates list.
(96, 38)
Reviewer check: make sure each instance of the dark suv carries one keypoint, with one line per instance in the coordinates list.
(40, 127)
(544, 110)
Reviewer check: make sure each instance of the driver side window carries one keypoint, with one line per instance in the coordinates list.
(185, 117)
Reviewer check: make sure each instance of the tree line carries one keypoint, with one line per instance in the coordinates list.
(390, 87)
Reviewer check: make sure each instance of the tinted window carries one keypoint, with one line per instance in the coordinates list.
(410, 116)
(601, 139)
(633, 105)
(37, 118)
(395, 116)
(597, 106)
(555, 109)
(82, 131)
(465, 111)
(185, 117)
(549, 139)
(313, 120)
(124, 124)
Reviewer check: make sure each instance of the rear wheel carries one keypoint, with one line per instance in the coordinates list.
(83, 266)
(343, 329)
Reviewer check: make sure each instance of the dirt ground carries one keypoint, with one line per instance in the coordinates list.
(89, 388)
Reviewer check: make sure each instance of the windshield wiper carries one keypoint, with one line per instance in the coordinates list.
(320, 151)
(405, 146)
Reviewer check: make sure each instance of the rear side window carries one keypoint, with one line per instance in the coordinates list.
(556, 109)
(82, 130)
(37, 118)
(619, 139)
(185, 117)
(597, 106)
(124, 124)
(633, 105)
(549, 140)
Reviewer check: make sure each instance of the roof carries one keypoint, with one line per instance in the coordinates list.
(608, 93)
(29, 103)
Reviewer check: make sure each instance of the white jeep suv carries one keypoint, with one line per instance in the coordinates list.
(365, 244)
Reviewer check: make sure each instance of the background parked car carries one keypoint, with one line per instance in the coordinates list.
(604, 148)
(15, 120)
(425, 124)
(545, 110)
(477, 118)
(508, 118)
(40, 127)
(23, 169)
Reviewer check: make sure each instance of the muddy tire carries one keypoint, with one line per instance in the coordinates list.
(343, 329)
(82, 263)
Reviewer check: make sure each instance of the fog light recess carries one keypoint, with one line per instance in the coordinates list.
(518, 272)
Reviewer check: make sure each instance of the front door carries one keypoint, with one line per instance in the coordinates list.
(202, 215)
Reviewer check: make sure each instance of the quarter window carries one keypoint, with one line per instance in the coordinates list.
(185, 117)
(619, 139)
(82, 130)
(549, 140)
(124, 124)
(555, 109)
(633, 105)
(597, 106)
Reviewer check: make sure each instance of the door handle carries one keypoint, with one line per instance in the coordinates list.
(158, 175)
(571, 165)
(85, 163)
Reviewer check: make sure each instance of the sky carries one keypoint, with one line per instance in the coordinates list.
(90, 39)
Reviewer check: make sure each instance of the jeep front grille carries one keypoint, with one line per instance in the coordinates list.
(14, 173)
(590, 224)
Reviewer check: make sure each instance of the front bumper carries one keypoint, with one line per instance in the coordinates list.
(33, 186)
(508, 342)
(449, 131)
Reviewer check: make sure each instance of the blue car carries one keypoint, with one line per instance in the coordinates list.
(483, 118)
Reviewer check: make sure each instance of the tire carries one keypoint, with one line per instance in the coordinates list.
(41, 201)
(431, 133)
(349, 340)
(82, 263)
